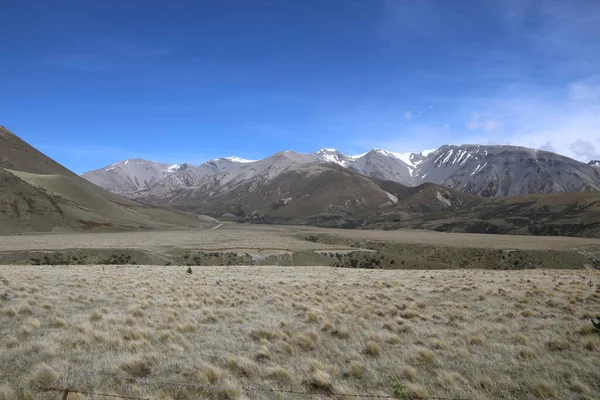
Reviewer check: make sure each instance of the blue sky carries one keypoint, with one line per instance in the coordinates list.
(91, 82)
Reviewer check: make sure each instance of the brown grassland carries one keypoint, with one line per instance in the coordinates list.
(223, 332)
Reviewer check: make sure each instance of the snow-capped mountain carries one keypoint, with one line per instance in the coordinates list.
(334, 156)
(594, 163)
(494, 171)
(385, 165)
(252, 173)
(488, 171)
(130, 175)
(189, 176)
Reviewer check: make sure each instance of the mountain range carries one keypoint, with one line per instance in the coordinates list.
(486, 171)
(466, 188)
(326, 188)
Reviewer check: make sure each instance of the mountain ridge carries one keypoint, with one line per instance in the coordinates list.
(37, 194)
(483, 170)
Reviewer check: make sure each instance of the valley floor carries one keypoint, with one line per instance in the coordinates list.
(158, 332)
(243, 244)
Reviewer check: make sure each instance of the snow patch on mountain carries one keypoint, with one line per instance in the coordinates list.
(333, 156)
(239, 160)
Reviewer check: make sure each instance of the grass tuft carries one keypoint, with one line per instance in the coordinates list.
(425, 356)
(321, 380)
(558, 344)
(136, 366)
(372, 348)
(544, 388)
(357, 369)
(44, 376)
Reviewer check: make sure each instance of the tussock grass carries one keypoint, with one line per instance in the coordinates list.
(302, 329)
(372, 348)
(43, 376)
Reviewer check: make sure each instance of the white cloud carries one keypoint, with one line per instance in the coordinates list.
(584, 149)
(447, 126)
(407, 115)
(476, 124)
(546, 118)
(584, 91)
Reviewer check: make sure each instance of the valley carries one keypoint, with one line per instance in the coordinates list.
(247, 244)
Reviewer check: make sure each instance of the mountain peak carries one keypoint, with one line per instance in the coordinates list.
(239, 160)
(594, 163)
(333, 156)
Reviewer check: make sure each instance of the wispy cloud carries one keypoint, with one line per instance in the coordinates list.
(407, 115)
(532, 82)
(476, 124)
(105, 53)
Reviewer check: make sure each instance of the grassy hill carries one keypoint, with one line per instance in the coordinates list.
(556, 214)
(37, 195)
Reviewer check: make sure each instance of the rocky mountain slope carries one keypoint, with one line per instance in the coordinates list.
(130, 175)
(486, 171)
(251, 174)
(594, 163)
(188, 176)
(496, 171)
(287, 189)
(384, 165)
(38, 194)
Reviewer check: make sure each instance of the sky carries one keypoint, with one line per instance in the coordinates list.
(92, 82)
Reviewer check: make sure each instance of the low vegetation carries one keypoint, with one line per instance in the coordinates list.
(221, 331)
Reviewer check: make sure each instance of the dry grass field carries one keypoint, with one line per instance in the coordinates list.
(224, 333)
(232, 236)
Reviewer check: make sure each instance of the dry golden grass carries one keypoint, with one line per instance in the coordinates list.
(454, 333)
